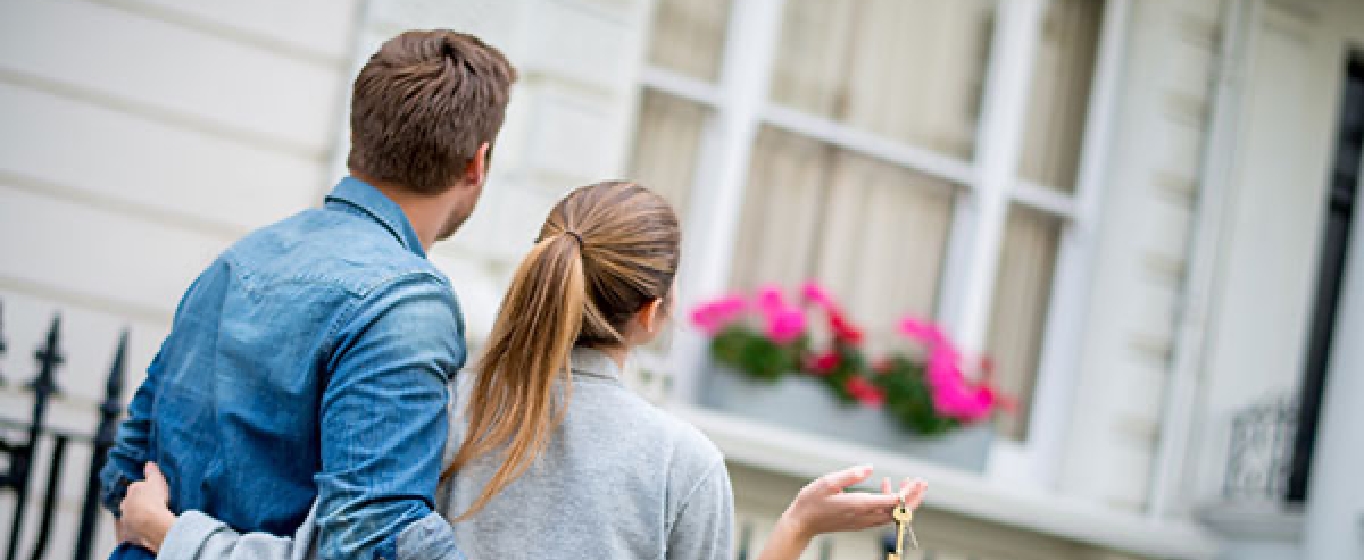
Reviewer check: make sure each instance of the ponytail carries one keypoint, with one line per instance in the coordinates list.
(515, 401)
(605, 251)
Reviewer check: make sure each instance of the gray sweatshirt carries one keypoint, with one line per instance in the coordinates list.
(620, 479)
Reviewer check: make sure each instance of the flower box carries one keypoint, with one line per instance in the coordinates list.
(801, 402)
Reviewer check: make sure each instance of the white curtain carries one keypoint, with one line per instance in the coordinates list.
(667, 146)
(689, 37)
(873, 233)
(883, 242)
(781, 216)
(1059, 98)
(1022, 296)
(911, 70)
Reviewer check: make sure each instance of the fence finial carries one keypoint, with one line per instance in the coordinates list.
(44, 385)
(104, 439)
(3, 346)
(49, 357)
(113, 387)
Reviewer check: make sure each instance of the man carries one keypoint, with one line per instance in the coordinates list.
(311, 359)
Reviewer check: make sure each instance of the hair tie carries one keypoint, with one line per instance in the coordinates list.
(578, 237)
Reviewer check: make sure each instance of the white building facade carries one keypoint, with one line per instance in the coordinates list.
(1125, 202)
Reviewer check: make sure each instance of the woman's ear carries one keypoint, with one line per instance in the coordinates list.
(651, 317)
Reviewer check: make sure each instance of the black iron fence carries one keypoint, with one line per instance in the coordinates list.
(1259, 464)
(21, 453)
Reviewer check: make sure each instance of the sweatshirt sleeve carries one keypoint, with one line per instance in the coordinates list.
(703, 528)
(198, 536)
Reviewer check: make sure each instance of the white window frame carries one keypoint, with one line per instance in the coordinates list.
(990, 181)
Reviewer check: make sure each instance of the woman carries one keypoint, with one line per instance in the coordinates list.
(555, 456)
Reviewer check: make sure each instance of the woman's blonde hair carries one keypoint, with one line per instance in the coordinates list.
(605, 251)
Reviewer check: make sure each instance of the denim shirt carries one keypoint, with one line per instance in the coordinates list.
(310, 361)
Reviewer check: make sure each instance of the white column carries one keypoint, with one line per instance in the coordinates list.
(1334, 524)
(979, 224)
(718, 194)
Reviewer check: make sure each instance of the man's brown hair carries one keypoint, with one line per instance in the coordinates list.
(423, 105)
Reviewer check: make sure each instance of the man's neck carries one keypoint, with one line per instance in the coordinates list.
(424, 212)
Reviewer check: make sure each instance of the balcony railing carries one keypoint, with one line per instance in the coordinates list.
(1261, 451)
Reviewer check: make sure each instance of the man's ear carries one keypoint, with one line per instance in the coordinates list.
(477, 169)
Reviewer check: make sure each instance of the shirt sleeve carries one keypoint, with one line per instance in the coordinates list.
(384, 421)
(131, 445)
(704, 526)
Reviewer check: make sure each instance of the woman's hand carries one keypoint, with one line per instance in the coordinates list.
(145, 516)
(823, 507)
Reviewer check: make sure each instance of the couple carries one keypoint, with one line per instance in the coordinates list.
(301, 405)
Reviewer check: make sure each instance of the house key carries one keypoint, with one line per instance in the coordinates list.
(904, 519)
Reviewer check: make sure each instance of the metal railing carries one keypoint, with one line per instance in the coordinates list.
(1261, 451)
(17, 475)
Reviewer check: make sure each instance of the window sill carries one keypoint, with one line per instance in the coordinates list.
(803, 455)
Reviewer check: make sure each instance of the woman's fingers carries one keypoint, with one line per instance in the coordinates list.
(835, 482)
(153, 473)
(916, 494)
(862, 502)
(885, 485)
(154, 482)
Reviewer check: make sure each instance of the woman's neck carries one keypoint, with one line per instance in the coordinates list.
(617, 353)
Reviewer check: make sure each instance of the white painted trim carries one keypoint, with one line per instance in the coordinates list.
(999, 144)
(855, 140)
(718, 193)
(1027, 507)
(989, 184)
(626, 122)
(1042, 198)
(679, 85)
(1059, 361)
(1170, 476)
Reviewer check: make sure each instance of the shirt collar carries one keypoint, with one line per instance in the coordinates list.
(374, 203)
(590, 362)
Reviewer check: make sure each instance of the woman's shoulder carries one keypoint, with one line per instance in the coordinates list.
(628, 415)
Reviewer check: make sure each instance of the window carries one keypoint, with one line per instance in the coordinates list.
(667, 143)
(872, 232)
(863, 151)
(907, 70)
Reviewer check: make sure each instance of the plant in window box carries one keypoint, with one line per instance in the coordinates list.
(773, 366)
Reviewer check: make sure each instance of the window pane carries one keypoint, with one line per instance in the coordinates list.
(884, 238)
(912, 70)
(1022, 297)
(667, 146)
(781, 210)
(1060, 93)
(874, 233)
(689, 37)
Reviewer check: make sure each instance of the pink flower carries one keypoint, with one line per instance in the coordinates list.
(958, 401)
(865, 392)
(943, 367)
(713, 317)
(816, 294)
(923, 331)
(785, 325)
(825, 363)
(844, 330)
(770, 300)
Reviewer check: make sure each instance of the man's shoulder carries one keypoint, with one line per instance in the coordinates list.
(331, 248)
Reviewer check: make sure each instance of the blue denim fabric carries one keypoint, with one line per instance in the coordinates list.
(310, 360)
(126, 551)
